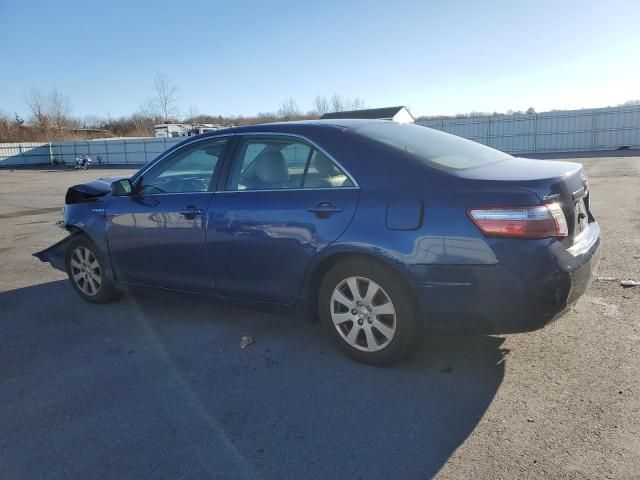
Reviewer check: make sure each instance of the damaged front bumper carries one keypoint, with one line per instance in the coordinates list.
(55, 255)
(79, 212)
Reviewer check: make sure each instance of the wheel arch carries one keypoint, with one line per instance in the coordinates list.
(94, 237)
(323, 264)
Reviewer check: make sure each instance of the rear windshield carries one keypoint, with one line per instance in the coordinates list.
(431, 146)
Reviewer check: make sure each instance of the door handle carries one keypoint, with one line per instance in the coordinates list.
(324, 209)
(191, 211)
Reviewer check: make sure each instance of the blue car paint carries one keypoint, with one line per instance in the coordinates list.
(261, 243)
(152, 243)
(267, 246)
(404, 214)
(89, 218)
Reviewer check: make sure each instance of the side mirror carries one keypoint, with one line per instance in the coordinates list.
(121, 188)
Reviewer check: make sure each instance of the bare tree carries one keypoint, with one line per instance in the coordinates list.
(93, 121)
(337, 104)
(146, 118)
(262, 117)
(10, 129)
(149, 108)
(356, 103)
(37, 104)
(192, 115)
(166, 97)
(50, 113)
(59, 111)
(289, 109)
(321, 105)
(143, 125)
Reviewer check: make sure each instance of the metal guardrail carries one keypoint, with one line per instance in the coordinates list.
(568, 131)
(120, 151)
(576, 130)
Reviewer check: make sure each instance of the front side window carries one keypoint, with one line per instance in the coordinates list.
(283, 163)
(187, 170)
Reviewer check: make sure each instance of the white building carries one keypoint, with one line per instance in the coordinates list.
(395, 114)
(184, 129)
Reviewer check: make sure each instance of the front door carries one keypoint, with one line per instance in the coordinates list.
(156, 236)
(283, 202)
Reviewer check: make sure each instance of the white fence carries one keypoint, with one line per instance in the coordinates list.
(120, 151)
(567, 131)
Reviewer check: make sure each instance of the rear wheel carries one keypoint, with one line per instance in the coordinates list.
(367, 311)
(86, 272)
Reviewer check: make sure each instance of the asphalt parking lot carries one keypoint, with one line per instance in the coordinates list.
(156, 385)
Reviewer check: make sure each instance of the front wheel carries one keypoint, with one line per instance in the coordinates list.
(367, 311)
(86, 272)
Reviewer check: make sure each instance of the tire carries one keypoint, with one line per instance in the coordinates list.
(386, 322)
(86, 273)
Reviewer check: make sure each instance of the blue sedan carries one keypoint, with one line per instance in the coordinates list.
(377, 228)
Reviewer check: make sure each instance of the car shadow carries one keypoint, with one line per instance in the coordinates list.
(157, 386)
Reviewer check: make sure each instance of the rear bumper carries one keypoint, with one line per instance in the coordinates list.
(494, 299)
(586, 253)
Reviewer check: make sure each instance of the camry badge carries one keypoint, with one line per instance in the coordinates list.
(551, 196)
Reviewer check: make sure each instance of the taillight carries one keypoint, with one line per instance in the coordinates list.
(521, 222)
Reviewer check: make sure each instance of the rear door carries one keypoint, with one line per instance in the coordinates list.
(157, 235)
(284, 200)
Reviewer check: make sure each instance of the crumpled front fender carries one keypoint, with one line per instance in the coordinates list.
(55, 254)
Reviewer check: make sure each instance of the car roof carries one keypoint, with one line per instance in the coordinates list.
(296, 126)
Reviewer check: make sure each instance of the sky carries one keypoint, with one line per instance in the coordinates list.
(244, 57)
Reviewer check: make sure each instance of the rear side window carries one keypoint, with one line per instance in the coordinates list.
(283, 163)
(431, 146)
(324, 173)
(269, 164)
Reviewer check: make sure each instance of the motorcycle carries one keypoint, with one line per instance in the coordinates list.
(83, 163)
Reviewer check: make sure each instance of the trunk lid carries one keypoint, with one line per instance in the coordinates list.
(551, 181)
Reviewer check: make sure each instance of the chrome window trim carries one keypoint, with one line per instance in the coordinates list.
(166, 193)
(165, 154)
(310, 142)
(240, 191)
(287, 190)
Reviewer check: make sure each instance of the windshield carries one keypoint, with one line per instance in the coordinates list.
(438, 148)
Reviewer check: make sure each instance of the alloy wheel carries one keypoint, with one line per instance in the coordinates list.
(363, 314)
(86, 271)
